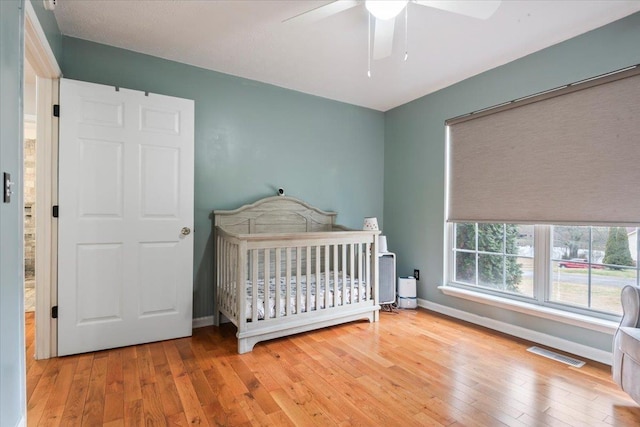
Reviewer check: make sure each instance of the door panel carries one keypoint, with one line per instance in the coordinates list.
(102, 113)
(160, 171)
(158, 280)
(100, 178)
(126, 191)
(99, 283)
(158, 120)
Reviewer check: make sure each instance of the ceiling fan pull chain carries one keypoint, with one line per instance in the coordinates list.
(369, 49)
(406, 31)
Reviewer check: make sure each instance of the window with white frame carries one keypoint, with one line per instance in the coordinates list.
(494, 256)
(565, 159)
(582, 269)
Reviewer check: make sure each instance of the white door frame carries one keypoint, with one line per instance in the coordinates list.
(39, 54)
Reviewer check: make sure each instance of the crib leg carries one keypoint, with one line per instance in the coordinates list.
(245, 345)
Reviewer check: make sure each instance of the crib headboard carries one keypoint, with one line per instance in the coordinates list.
(277, 214)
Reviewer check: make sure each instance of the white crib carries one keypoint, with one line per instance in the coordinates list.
(283, 267)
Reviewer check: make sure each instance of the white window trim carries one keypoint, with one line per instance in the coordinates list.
(561, 316)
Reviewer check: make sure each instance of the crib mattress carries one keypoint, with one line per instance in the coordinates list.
(359, 288)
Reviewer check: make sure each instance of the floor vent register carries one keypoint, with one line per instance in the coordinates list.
(556, 356)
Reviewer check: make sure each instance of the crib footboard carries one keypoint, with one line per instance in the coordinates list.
(274, 285)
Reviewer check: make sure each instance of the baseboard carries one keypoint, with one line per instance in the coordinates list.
(202, 322)
(520, 332)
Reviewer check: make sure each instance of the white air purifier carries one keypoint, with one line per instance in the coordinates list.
(387, 277)
(407, 296)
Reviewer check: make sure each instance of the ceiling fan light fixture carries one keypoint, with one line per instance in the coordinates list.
(385, 9)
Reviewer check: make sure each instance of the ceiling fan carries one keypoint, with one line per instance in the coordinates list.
(386, 11)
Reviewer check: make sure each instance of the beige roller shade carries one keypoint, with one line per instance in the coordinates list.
(570, 156)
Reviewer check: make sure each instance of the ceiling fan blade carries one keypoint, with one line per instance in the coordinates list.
(322, 12)
(383, 38)
(474, 9)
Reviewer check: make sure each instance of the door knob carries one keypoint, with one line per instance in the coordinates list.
(185, 231)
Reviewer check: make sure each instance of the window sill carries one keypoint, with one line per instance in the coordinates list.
(586, 322)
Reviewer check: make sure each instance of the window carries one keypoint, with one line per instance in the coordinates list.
(591, 265)
(581, 268)
(532, 161)
(495, 256)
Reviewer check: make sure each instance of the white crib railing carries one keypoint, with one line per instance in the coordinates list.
(269, 283)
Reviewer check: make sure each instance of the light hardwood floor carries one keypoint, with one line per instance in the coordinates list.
(411, 368)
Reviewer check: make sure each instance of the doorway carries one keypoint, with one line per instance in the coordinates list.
(29, 186)
(41, 64)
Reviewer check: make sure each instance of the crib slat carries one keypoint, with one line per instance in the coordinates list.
(360, 261)
(267, 284)
(327, 267)
(308, 279)
(368, 272)
(298, 280)
(278, 268)
(288, 282)
(318, 272)
(230, 278)
(344, 273)
(226, 276)
(352, 272)
(228, 273)
(254, 286)
(335, 275)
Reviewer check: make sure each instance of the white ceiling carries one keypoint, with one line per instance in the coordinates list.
(329, 58)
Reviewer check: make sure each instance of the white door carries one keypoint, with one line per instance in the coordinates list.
(125, 252)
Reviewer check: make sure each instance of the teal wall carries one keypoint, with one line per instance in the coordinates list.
(49, 26)
(415, 154)
(250, 139)
(12, 359)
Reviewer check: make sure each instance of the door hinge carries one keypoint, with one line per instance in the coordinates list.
(56, 110)
(54, 312)
(55, 211)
